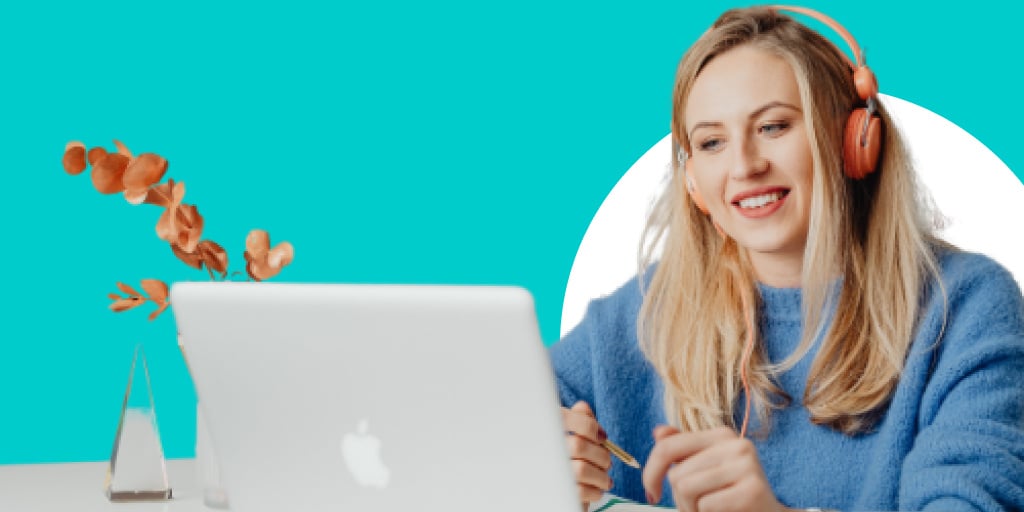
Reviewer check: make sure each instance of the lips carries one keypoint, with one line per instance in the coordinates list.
(760, 202)
(757, 192)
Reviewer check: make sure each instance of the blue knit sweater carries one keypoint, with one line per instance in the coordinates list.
(952, 438)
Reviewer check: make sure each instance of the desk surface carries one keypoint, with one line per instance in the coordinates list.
(79, 487)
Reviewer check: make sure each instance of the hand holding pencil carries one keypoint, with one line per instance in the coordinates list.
(591, 452)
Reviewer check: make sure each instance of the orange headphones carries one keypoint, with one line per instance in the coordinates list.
(862, 139)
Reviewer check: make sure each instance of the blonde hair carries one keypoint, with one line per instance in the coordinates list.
(873, 233)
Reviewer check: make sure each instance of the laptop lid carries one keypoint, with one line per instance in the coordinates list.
(376, 397)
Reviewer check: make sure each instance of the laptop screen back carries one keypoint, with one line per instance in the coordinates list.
(376, 397)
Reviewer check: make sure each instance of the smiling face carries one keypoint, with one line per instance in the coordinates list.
(751, 159)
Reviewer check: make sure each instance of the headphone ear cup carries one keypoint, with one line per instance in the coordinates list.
(860, 160)
(691, 187)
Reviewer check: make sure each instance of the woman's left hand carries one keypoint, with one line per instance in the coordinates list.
(709, 471)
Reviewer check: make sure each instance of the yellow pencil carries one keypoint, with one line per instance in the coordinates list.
(620, 453)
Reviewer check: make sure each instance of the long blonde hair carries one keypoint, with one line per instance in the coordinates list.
(874, 233)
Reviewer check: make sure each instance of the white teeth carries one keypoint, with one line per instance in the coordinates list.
(759, 201)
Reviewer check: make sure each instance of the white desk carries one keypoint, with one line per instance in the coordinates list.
(79, 487)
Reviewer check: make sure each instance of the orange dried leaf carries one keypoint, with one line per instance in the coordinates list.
(122, 149)
(147, 169)
(160, 195)
(135, 196)
(153, 315)
(178, 192)
(74, 158)
(125, 304)
(265, 271)
(187, 243)
(188, 216)
(163, 225)
(269, 264)
(156, 289)
(215, 257)
(107, 173)
(257, 243)
(261, 262)
(252, 270)
(167, 227)
(114, 296)
(96, 154)
(281, 255)
(190, 227)
(128, 289)
(193, 260)
(258, 270)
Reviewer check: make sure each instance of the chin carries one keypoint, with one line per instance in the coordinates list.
(766, 245)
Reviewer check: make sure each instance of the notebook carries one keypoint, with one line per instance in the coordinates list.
(323, 397)
(612, 503)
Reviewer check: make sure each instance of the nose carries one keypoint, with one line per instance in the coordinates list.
(747, 160)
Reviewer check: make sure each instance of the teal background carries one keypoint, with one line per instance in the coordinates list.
(454, 142)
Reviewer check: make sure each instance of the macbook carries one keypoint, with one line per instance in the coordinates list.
(324, 397)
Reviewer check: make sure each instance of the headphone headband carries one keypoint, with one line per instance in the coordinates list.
(832, 24)
(867, 85)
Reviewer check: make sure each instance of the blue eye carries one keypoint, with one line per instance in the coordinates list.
(710, 144)
(774, 128)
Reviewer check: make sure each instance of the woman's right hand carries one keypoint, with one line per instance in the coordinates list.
(590, 460)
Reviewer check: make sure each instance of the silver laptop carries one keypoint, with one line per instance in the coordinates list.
(376, 397)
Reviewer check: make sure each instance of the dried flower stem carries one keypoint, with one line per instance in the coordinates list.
(180, 224)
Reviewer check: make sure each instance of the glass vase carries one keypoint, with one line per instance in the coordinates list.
(207, 469)
(137, 470)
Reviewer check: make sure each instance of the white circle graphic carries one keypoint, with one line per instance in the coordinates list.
(978, 195)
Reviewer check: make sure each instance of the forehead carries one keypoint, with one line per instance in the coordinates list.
(736, 83)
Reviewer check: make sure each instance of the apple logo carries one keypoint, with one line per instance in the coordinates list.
(361, 451)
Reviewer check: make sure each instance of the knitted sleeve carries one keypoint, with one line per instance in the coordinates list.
(572, 359)
(599, 358)
(969, 450)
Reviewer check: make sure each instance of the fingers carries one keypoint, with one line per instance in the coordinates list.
(580, 421)
(582, 407)
(672, 447)
(587, 436)
(584, 443)
(746, 494)
(583, 449)
(703, 475)
(730, 451)
(693, 491)
(591, 481)
(725, 474)
(590, 460)
(663, 431)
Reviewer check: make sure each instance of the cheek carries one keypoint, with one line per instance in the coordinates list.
(802, 175)
(711, 189)
(805, 197)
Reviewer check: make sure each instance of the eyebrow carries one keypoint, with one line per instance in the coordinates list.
(754, 114)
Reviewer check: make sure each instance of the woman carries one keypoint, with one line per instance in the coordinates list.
(800, 289)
